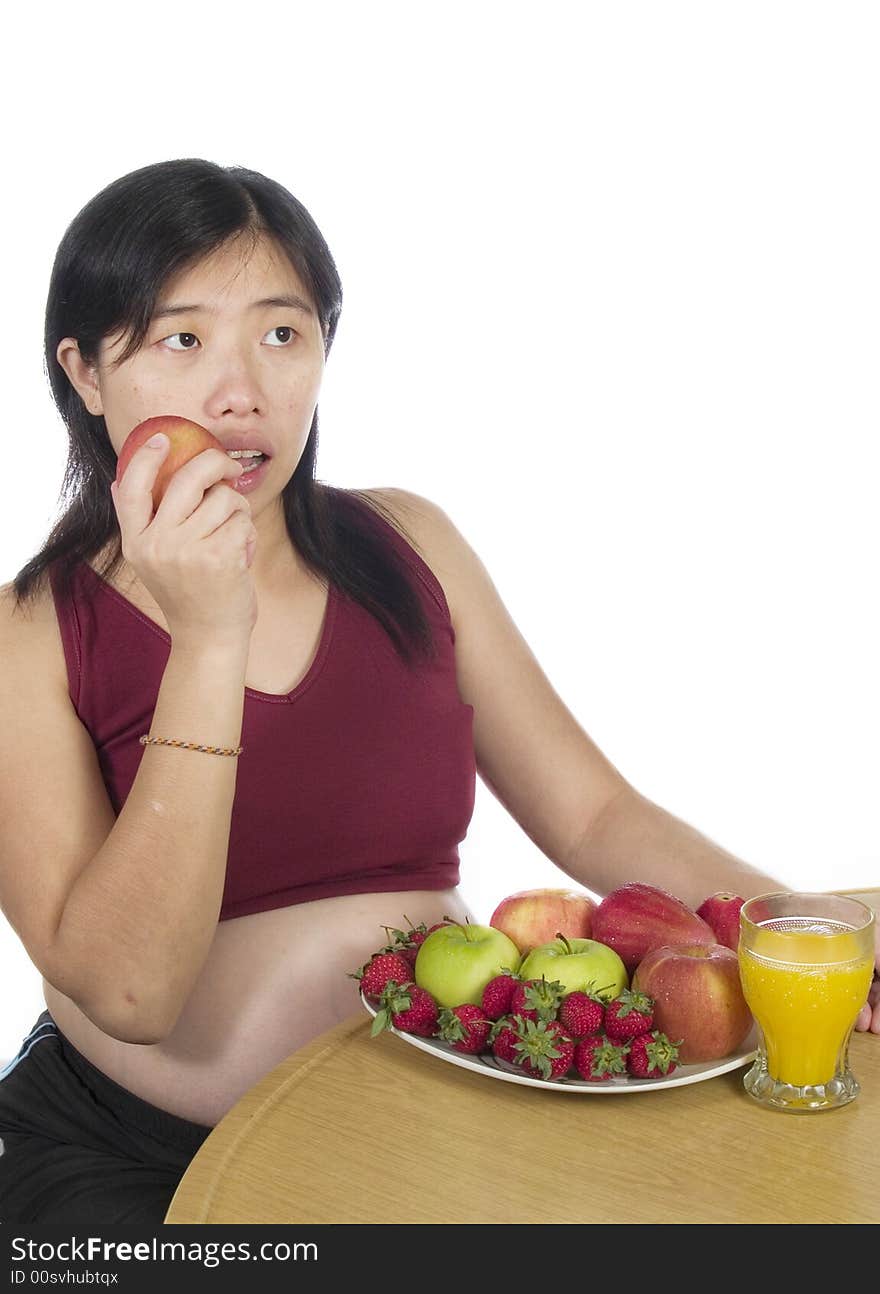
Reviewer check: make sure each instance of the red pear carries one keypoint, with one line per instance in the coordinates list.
(637, 917)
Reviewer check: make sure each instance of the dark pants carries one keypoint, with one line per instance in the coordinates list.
(77, 1147)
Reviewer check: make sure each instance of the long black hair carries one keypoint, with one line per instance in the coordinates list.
(109, 270)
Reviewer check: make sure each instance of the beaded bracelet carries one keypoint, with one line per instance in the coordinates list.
(146, 740)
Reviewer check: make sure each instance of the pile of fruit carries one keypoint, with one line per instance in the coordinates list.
(632, 986)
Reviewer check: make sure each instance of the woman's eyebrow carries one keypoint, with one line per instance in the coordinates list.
(289, 302)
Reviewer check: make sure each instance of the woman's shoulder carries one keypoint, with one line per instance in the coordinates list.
(417, 519)
(424, 525)
(25, 616)
(30, 638)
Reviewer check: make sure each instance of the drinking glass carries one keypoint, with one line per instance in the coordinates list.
(806, 962)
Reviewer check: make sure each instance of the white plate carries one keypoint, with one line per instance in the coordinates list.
(488, 1064)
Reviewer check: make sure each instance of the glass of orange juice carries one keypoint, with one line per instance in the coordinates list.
(806, 962)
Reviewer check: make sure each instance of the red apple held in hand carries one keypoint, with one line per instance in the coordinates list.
(637, 917)
(697, 997)
(534, 917)
(721, 912)
(187, 439)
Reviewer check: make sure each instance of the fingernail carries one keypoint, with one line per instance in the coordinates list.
(158, 441)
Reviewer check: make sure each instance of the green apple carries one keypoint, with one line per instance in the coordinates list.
(580, 965)
(456, 962)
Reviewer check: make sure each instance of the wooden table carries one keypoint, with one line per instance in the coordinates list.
(353, 1129)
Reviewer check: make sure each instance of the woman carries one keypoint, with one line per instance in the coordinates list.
(337, 663)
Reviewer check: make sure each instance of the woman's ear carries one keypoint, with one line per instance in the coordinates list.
(83, 377)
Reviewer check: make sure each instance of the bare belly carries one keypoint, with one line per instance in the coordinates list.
(271, 983)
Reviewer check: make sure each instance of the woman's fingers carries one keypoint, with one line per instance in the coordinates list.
(874, 1005)
(132, 495)
(190, 482)
(869, 1016)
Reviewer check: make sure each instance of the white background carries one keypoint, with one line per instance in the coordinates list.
(611, 300)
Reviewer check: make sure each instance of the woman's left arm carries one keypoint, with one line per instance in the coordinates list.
(537, 759)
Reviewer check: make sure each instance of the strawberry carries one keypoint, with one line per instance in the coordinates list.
(497, 995)
(465, 1026)
(581, 1013)
(630, 1014)
(544, 1049)
(597, 1059)
(406, 942)
(504, 1035)
(536, 999)
(416, 937)
(409, 1008)
(652, 1055)
(381, 968)
(416, 934)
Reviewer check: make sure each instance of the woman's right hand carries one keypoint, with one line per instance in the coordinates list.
(194, 555)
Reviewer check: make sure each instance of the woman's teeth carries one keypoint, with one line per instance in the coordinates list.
(250, 458)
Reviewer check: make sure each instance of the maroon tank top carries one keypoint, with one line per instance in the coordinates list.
(361, 779)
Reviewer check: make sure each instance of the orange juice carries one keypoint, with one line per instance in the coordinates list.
(805, 980)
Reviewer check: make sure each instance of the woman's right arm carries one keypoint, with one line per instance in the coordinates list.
(119, 913)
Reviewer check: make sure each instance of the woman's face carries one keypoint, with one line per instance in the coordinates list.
(226, 361)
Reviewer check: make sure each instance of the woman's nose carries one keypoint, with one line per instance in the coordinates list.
(234, 385)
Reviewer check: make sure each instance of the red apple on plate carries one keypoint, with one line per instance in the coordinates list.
(721, 912)
(637, 917)
(534, 917)
(187, 439)
(697, 997)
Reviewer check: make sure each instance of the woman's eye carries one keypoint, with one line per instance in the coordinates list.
(283, 328)
(188, 338)
(174, 335)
